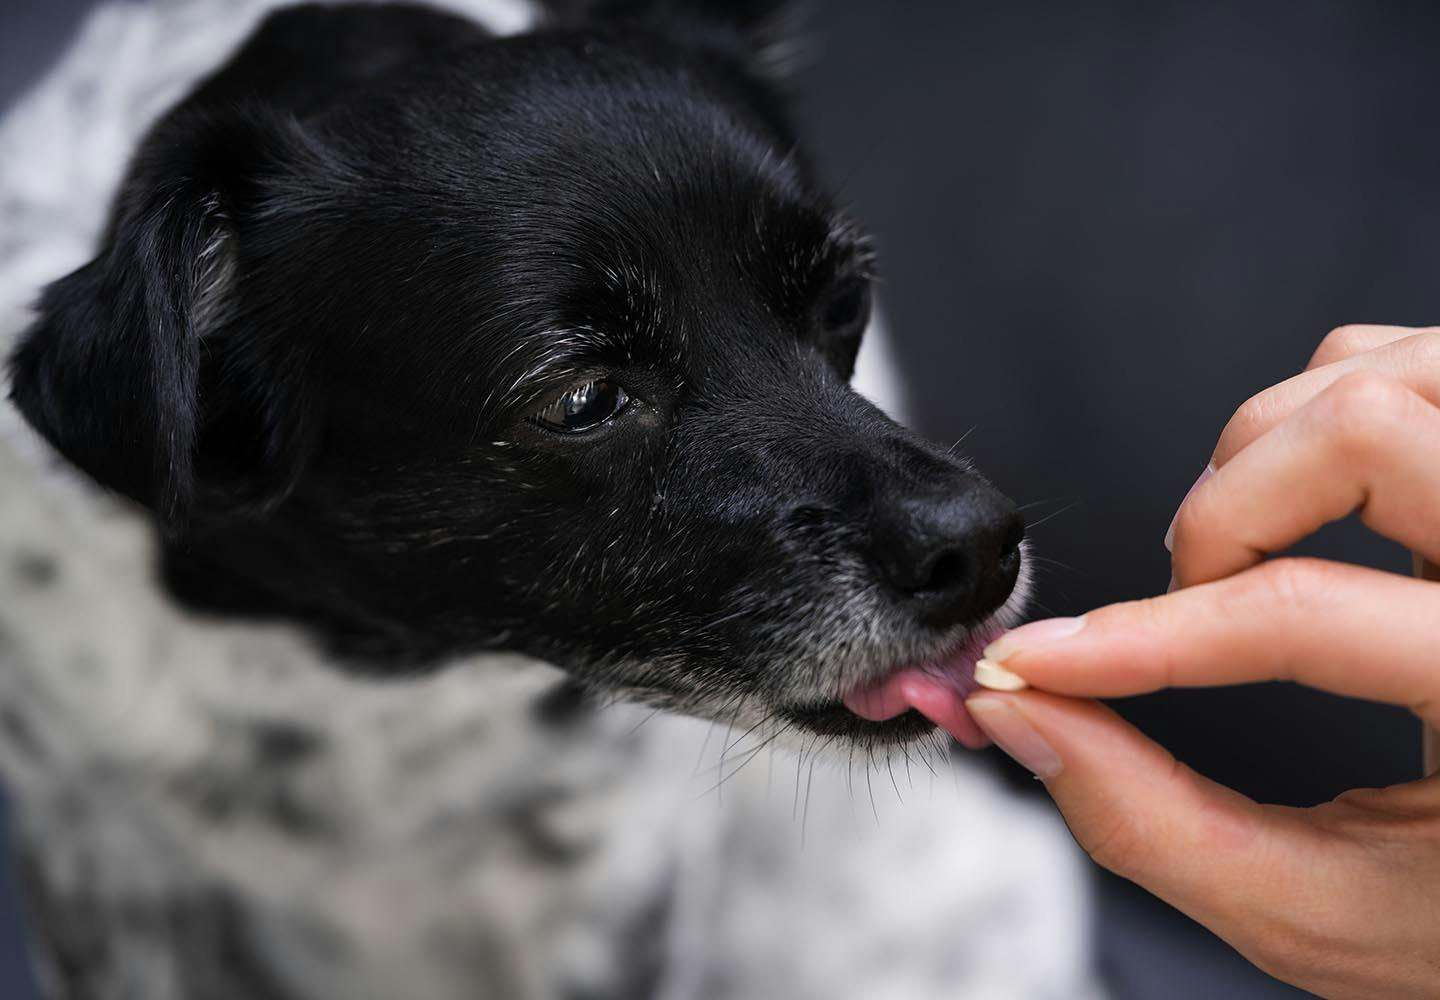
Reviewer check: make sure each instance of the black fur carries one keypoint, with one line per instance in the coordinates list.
(346, 274)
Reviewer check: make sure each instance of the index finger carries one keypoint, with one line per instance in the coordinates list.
(1358, 338)
(1348, 630)
(1413, 360)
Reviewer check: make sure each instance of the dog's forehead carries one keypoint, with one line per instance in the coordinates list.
(570, 212)
(687, 284)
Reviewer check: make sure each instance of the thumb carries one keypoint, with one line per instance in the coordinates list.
(1139, 812)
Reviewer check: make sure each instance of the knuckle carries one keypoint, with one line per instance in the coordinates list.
(1251, 414)
(1342, 342)
(1422, 352)
(1363, 411)
(1118, 846)
(1130, 843)
(1248, 421)
(1294, 585)
(1363, 392)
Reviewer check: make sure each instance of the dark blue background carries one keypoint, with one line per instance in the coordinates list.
(1103, 226)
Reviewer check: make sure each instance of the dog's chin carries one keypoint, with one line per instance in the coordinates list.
(837, 722)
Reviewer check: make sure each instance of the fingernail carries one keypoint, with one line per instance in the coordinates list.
(1012, 732)
(1040, 633)
(989, 674)
(1174, 585)
(1170, 531)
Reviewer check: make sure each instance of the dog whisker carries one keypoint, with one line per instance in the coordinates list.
(639, 725)
(795, 804)
(869, 787)
(765, 719)
(1022, 508)
(1050, 517)
(960, 440)
(805, 817)
(746, 758)
(705, 745)
(1039, 561)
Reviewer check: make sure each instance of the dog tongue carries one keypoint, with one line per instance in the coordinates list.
(937, 691)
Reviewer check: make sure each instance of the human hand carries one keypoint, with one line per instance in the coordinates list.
(1342, 899)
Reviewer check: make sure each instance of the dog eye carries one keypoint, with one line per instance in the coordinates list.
(584, 407)
(847, 308)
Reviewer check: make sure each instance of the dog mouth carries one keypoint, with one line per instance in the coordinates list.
(908, 702)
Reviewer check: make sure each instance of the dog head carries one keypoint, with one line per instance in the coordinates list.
(544, 345)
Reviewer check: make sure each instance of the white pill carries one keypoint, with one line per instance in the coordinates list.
(989, 674)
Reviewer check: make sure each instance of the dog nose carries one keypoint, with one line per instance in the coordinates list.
(953, 556)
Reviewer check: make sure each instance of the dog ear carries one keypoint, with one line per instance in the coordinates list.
(110, 372)
(763, 32)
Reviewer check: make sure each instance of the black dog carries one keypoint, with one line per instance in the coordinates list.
(441, 343)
